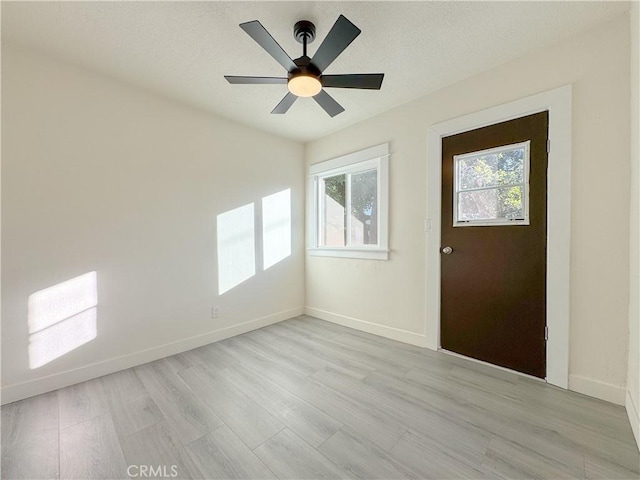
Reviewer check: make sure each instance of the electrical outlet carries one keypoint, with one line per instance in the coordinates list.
(215, 312)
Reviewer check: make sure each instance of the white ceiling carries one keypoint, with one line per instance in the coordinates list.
(183, 49)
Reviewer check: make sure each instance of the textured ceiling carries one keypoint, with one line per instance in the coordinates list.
(183, 49)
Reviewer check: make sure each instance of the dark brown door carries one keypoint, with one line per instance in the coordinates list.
(493, 278)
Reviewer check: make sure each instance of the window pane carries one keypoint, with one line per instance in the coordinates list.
(364, 208)
(333, 216)
(491, 204)
(493, 169)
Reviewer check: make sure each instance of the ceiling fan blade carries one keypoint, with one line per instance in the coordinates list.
(327, 102)
(372, 81)
(285, 103)
(256, 31)
(255, 80)
(339, 37)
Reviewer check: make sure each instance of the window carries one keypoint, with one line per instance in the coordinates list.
(491, 187)
(350, 196)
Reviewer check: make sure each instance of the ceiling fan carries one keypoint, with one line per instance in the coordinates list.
(304, 75)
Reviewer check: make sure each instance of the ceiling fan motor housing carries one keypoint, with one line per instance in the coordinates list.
(304, 67)
(304, 80)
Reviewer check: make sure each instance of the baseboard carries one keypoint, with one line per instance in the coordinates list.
(369, 327)
(19, 391)
(634, 418)
(596, 389)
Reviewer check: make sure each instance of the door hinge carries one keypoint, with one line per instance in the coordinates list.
(548, 145)
(546, 333)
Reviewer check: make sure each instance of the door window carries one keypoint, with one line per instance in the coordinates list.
(491, 187)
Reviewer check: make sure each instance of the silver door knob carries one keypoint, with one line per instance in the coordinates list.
(447, 250)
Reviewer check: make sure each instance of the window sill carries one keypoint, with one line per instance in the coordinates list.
(497, 223)
(362, 253)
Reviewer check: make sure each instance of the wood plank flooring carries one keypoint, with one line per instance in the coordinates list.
(307, 399)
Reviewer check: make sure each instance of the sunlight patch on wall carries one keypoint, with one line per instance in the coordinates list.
(276, 228)
(61, 318)
(236, 247)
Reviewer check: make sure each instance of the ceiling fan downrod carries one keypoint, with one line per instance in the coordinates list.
(304, 32)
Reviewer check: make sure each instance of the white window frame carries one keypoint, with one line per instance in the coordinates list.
(525, 188)
(369, 159)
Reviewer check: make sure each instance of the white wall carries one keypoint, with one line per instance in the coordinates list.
(101, 176)
(388, 297)
(633, 375)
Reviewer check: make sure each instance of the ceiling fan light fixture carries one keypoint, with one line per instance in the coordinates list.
(304, 85)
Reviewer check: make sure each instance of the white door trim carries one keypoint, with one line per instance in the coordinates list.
(558, 103)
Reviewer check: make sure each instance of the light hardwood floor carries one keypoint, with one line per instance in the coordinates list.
(309, 399)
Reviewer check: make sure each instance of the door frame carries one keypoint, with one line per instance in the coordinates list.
(558, 103)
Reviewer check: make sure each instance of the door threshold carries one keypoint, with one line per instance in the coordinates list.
(498, 367)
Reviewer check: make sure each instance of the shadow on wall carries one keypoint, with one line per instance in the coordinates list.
(62, 318)
(236, 239)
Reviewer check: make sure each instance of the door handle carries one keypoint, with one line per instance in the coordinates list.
(447, 250)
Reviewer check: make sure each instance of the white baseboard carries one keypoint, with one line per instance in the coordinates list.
(596, 389)
(19, 391)
(369, 327)
(634, 418)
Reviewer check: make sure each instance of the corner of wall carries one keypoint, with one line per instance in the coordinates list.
(632, 400)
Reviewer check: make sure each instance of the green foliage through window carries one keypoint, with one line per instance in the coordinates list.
(491, 186)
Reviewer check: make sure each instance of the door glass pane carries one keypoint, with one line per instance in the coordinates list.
(491, 169)
(333, 215)
(364, 208)
(491, 204)
(491, 186)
